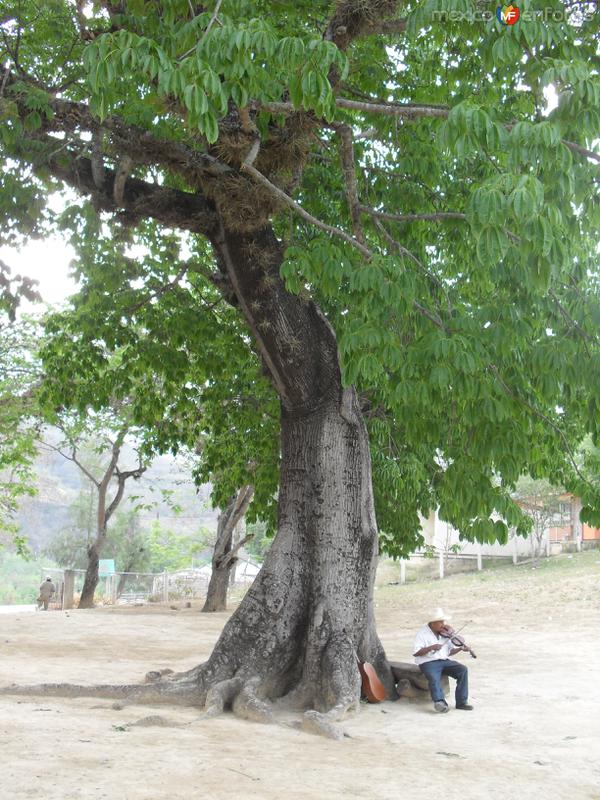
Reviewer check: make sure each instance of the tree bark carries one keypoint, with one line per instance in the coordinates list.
(309, 614)
(90, 582)
(122, 582)
(225, 552)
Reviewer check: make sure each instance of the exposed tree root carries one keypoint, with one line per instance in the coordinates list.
(248, 704)
(315, 722)
(221, 696)
(172, 692)
(244, 696)
(154, 720)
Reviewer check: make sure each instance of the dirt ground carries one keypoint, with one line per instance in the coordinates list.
(534, 731)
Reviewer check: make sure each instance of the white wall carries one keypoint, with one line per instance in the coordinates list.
(442, 535)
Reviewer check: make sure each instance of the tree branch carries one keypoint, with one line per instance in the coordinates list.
(577, 148)
(234, 550)
(140, 144)
(406, 110)
(405, 252)
(231, 516)
(409, 111)
(122, 478)
(387, 27)
(349, 170)
(243, 500)
(172, 207)
(425, 312)
(573, 322)
(121, 175)
(281, 195)
(212, 20)
(72, 458)
(436, 217)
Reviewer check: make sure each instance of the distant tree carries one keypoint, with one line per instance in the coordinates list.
(226, 549)
(69, 547)
(170, 551)
(108, 432)
(542, 503)
(126, 541)
(127, 544)
(258, 546)
(19, 578)
(19, 378)
(590, 460)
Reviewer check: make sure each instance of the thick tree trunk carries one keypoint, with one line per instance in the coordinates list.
(225, 552)
(309, 614)
(216, 594)
(91, 575)
(123, 582)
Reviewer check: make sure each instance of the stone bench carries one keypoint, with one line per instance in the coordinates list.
(411, 683)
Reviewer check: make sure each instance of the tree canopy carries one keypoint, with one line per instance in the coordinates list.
(440, 214)
(19, 374)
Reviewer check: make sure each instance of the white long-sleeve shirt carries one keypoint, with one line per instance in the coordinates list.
(425, 638)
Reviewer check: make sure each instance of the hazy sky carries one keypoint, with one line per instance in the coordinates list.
(47, 261)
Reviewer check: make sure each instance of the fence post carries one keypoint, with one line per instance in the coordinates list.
(577, 524)
(402, 571)
(165, 587)
(441, 564)
(514, 548)
(479, 560)
(69, 588)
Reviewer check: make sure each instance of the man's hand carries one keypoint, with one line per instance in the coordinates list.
(430, 649)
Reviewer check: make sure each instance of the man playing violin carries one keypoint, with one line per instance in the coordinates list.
(432, 650)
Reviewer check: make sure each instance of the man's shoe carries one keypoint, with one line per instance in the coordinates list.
(441, 707)
(465, 707)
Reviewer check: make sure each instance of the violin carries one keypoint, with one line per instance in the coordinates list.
(372, 687)
(458, 641)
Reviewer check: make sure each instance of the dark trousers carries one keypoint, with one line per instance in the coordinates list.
(433, 671)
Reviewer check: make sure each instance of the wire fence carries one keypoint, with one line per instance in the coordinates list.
(128, 588)
(436, 562)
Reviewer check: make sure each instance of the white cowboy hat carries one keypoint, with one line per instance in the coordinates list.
(439, 616)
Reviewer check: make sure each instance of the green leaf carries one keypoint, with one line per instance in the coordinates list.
(209, 126)
(492, 244)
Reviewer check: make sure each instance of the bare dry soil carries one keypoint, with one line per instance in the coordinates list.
(534, 732)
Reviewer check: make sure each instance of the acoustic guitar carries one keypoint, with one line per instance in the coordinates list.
(372, 687)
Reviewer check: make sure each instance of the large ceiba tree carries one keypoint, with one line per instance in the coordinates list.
(375, 205)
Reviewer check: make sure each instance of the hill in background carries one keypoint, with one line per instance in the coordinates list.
(59, 482)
